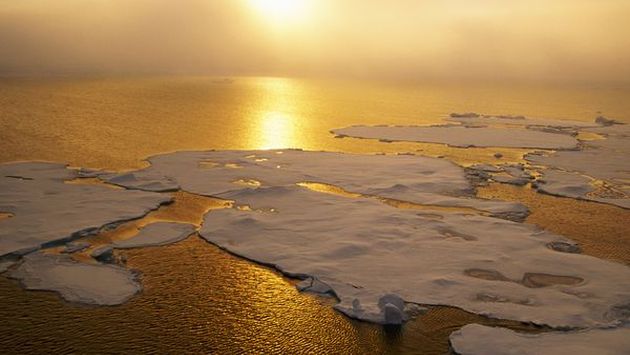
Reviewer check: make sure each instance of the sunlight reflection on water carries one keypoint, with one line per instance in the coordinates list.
(276, 131)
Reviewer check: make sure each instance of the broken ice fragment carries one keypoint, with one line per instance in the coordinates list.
(77, 282)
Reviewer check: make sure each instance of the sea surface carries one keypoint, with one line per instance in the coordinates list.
(198, 298)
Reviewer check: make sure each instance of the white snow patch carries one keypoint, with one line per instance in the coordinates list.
(475, 339)
(46, 210)
(96, 284)
(364, 250)
(157, 234)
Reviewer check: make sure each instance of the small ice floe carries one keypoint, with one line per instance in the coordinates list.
(362, 250)
(46, 211)
(157, 234)
(96, 284)
(475, 339)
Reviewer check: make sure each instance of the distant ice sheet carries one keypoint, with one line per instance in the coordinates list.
(462, 136)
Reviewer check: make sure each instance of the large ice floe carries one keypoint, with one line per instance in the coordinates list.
(365, 251)
(600, 171)
(78, 282)
(476, 339)
(472, 129)
(476, 130)
(46, 210)
(475, 120)
(415, 179)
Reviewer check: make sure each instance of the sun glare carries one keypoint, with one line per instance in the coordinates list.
(281, 11)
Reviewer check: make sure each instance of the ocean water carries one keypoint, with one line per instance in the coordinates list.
(115, 123)
(198, 298)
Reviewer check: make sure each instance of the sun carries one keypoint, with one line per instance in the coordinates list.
(281, 11)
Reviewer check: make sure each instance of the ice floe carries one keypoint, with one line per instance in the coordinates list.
(96, 284)
(475, 339)
(157, 234)
(415, 179)
(380, 261)
(599, 172)
(102, 283)
(47, 210)
(364, 250)
(463, 136)
(472, 120)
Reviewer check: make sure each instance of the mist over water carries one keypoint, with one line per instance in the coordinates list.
(559, 40)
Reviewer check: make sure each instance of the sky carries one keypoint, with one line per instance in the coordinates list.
(563, 40)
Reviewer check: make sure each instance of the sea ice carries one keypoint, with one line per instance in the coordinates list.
(416, 179)
(463, 136)
(475, 339)
(46, 210)
(364, 250)
(514, 174)
(599, 172)
(157, 234)
(484, 131)
(97, 284)
(522, 121)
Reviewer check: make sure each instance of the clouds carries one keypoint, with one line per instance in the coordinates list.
(562, 39)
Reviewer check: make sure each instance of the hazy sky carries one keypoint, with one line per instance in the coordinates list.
(413, 39)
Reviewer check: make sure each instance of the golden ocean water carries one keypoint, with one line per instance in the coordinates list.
(200, 299)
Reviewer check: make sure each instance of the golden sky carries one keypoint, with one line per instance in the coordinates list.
(577, 40)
